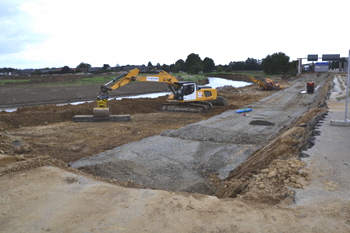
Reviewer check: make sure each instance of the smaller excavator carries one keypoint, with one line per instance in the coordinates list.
(266, 84)
(186, 96)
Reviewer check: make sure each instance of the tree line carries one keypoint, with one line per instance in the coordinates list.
(277, 63)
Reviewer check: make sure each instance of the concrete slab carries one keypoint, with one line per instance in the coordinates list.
(167, 163)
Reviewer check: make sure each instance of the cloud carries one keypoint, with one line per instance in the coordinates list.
(63, 32)
(16, 29)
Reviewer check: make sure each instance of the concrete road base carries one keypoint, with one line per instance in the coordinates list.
(340, 123)
(91, 118)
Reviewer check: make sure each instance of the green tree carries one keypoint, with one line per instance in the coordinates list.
(149, 64)
(219, 68)
(293, 68)
(194, 64)
(84, 65)
(208, 65)
(251, 64)
(180, 65)
(166, 67)
(172, 68)
(236, 65)
(66, 70)
(277, 63)
(176, 68)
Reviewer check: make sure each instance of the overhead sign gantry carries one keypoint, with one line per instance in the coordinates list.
(315, 57)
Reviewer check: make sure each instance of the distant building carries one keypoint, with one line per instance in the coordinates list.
(142, 68)
(25, 72)
(94, 69)
(5, 73)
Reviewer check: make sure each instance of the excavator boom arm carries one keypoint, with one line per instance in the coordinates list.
(132, 75)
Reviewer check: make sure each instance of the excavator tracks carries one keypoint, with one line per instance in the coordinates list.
(193, 107)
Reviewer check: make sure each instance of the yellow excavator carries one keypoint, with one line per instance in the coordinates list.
(266, 84)
(186, 96)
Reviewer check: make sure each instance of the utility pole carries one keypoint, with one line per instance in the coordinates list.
(347, 91)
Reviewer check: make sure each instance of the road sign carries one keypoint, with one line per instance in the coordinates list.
(312, 57)
(330, 57)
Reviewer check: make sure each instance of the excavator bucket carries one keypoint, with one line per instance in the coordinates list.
(101, 112)
(266, 83)
(220, 101)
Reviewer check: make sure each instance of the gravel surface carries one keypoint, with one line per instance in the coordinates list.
(267, 117)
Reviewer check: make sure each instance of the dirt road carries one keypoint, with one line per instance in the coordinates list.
(40, 193)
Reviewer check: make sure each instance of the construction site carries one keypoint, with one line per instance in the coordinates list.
(278, 166)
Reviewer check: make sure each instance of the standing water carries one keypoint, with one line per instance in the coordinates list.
(214, 82)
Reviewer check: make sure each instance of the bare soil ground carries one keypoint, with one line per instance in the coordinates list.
(45, 135)
(49, 130)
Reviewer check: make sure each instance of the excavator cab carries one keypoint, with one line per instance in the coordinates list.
(185, 91)
(189, 91)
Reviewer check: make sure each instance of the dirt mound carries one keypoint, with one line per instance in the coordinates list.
(13, 145)
(269, 184)
(41, 115)
(51, 113)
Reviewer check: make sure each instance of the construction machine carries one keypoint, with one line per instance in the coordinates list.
(266, 84)
(186, 96)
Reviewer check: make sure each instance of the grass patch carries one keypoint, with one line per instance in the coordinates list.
(243, 72)
(91, 80)
(8, 81)
(189, 77)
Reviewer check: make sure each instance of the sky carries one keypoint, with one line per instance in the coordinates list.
(57, 33)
